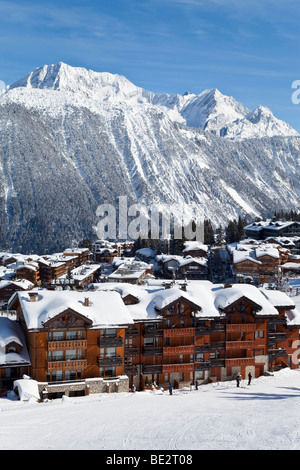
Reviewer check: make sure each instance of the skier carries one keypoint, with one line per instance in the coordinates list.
(170, 389)
(196, 384)
(238, 379)
(249, 378)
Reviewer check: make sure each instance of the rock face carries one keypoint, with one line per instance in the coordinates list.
(71, 139)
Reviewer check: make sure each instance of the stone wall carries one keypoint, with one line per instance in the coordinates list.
(87, 386)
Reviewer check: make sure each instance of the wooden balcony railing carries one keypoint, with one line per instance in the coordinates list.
(173, 332)
(239, 361)
(78, 364)
(173, 350)
(176, 368)
(238, 327)
(240, 344)
(152, 351)
(152, 369)
(112, 341)
(110, 361)
(67, 344)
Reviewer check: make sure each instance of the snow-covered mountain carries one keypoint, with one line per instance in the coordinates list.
(71, 139)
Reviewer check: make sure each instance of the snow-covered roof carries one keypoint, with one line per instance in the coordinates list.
(194, 245)
(23, 284)
(210, 299)
(105, 308)
(228, 296)
(11, 332)
(266, 250)
(278, 298)
(240, 256)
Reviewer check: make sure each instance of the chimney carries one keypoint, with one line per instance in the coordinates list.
(86, 302)
(33, 296)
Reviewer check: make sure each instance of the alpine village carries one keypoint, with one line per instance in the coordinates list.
(116, 317)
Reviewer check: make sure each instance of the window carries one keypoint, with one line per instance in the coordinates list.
(149, 341)
(181, 358)
(57, 376)
(58, 335)
(71, 335)
(128, 361)
(111, 332)
(107, 352)
(199, 357)
(71, 354)
(110, 371)
(166, 378)
(70, 375)
(191, 357)
(259, 334)
(57, 355)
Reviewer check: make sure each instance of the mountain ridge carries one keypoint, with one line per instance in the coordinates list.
(63, 153)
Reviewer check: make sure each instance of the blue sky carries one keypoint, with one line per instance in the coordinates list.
(249, 49)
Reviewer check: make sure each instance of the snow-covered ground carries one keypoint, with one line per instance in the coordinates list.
(262, 416)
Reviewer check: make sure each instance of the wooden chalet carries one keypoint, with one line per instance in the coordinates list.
(159, 333)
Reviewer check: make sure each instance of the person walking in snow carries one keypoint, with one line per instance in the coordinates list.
(249, 378)
(238, 379)
(170, 389)
(196, 384)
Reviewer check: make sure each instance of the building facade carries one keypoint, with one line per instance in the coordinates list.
(157, 334)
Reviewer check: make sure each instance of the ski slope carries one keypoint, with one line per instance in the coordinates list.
(262, 416)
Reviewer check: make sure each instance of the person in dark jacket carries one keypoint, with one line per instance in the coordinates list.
(196, 384)
(238, 379)
(249, 378)
(170, 389)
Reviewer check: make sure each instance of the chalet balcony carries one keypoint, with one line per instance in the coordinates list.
(152, 332)
(110, 341)
(131, 370)
(239, 327)
(67, 344)
(281, 336)
(202, 330)
(110, 361)
(152, 351)
(173, 350)
(76, 364)
(217, 327)
(280, 320)
(131, 351)
(239, 361)
(131, 333)
(239, 345)
(203, 348)
(217, 362)
(176, 368)
(152, 369)
(177, 332)
(204, 365)
(274, 353)
(217, 345)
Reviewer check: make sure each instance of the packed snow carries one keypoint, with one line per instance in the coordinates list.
(262, 416)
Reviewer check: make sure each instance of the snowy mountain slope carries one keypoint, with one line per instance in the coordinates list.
(258, 123)
(209, 111)
(71, 139)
